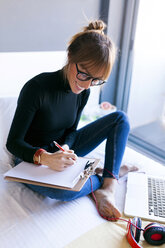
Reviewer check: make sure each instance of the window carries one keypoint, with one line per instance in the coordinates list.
(146, 100)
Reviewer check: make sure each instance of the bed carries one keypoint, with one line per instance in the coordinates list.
(29, 220)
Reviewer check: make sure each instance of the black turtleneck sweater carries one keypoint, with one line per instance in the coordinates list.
(47, 110)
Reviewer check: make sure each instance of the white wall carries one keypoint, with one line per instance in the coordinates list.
(28, 27)
(17, 68)
(42, 25)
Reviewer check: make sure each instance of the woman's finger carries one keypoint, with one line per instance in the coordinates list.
(72, 156)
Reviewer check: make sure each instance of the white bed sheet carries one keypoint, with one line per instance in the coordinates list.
(31, 221)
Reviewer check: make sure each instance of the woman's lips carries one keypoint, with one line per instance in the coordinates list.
(78, 86)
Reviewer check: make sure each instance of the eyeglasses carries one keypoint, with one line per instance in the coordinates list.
(82, 76)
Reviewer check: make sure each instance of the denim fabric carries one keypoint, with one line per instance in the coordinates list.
(114, 128)
(67, 195)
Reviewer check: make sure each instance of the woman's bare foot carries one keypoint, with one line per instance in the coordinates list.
(106, 204)
(105, 197)
(124, 169)
(105, 200)
(99, 170)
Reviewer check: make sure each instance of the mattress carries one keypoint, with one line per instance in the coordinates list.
(29, 220)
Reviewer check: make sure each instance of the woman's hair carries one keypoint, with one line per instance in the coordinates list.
(92, 48)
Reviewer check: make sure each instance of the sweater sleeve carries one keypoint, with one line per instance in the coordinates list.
(70, 137)
(28, 102)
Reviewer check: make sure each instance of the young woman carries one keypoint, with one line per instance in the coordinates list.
(49, 108)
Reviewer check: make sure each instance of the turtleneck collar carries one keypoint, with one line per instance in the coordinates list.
(65, 81)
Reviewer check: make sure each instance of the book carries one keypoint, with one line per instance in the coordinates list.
(72, 178)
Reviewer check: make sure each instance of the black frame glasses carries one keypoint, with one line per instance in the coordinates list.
(82, 76)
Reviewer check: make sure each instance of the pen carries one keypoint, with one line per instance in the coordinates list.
(56, 144)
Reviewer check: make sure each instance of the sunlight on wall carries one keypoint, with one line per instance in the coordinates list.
(18, 68)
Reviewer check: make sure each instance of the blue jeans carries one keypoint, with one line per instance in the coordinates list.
(114, 128)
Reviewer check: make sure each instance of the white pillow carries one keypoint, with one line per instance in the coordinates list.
(7, 110)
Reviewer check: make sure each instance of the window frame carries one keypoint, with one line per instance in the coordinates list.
(122, 79)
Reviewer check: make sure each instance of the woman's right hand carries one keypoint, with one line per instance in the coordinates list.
(59, 160)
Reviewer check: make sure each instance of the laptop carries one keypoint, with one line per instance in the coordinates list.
(145, 197)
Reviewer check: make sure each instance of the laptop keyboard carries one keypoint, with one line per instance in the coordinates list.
(156, 194)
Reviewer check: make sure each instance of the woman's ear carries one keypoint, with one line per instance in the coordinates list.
(69, 57)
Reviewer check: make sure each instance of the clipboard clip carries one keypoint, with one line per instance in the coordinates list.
(88, 170)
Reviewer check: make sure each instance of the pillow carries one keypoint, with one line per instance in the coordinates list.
(7, 110)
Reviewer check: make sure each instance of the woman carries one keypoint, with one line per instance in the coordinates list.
(49, 109)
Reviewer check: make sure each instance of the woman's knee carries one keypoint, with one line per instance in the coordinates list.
(122, 119)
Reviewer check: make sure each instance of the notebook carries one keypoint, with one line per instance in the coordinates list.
(145, 197)
(72, 178)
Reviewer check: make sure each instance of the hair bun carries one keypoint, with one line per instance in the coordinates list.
(98, 25)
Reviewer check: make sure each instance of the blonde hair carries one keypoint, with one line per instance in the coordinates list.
(92, 48)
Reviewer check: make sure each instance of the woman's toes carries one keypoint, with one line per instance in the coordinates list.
(124, 169)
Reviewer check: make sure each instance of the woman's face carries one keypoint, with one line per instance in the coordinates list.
(76, 85)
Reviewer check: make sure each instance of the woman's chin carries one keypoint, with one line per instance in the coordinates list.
(76, 88)
(77, 91)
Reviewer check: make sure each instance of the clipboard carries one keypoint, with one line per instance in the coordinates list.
(43, 176)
